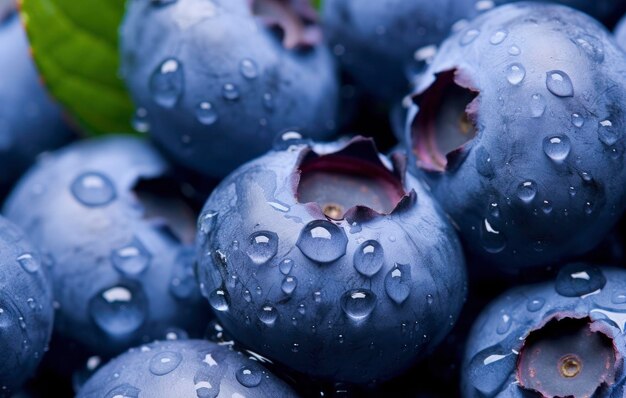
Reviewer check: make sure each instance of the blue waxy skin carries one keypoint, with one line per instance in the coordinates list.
(355, 300)
(184, 368)
(121, 264)
(544, 179)
(383, 43)
(620, 33)
(218, 85)
(26, 312)
(500, 332)
(30, 123)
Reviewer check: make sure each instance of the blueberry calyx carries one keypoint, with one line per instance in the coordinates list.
(446, 122)
(567, 357)
(294, 20)
(352, 183)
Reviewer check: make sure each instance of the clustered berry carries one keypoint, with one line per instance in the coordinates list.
(336, 198)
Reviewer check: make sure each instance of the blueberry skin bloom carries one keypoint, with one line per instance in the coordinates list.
(26, 312)
(381, 44)
(30, 122)
(519, 125)
(559, 338)
(185, 368)
(109, 219)
(218, 81)
(333, 263)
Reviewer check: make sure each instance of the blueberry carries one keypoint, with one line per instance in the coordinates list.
(518, 124)
(383, 43)
(559, 338)
(218, 80)
(117, 235)
(620, 33)
(30, 122)
(333, 262)
(26, 311)
(187, 368)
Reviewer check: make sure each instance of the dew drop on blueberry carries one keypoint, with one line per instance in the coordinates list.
(607, 133)
(526, 191)
(167, 83)
(358, 304)
(490, 369)
(230, 92)
(248, 69)
(577, 280)
(249, 376)
(498, 37)
(285, 266)
(131, 259)
(504, 325)
(119, 311)
(93, 189)
(164, 362)
(322, 241)
(206, 113)
(492, 240)
(515, 74)
(557, 148)
(262, 247)
(537, 105)
(577, 120)
(207, 221)
(535, 304)
(219, 300)
(398, 283)
(559, 84)
(123, 391)
(514, 51)
(268, 314)
(289, 284)
(28, 263)
(369, 258)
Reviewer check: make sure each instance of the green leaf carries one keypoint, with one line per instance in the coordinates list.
(317, 4)
(75, 46)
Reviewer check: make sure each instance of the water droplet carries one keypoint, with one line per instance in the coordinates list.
(219, 300)
(322, 241)
(247, 295)
(358, 304)
(123, 391)
(248, 69)
(28, 262)
(557, 148)
(469, 37)
(607, 133)
(576, 280)
(230, 92)
(616, 317)
(140, 120)
(577, 120)
(546, 207)
(207, 221)
(206, 114)
(289, 284)
(498, 37)
(588, 208)
(429, 299)
(167, 83)
(131, 259)
(164, 362)
(398, 283)
(119, 311)
(483, 163)
(515, 74)
(618, 298)
(535, 304)
(287, 140)
(527, 191)
(514, 50)
(493, 241)
(559, 84)
(285, 266)
(93, 189)
(263, 246)
(268, 314)
(369, 258)
(317, 297)
(504, 325)
(249, 376)
(268, 101)
(537, 105)
(490, 369)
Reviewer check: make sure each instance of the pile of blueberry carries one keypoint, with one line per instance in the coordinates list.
(358, 198)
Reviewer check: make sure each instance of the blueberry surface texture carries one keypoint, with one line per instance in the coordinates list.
(185, 368)
(30, 122)
(332, 261)
(563, 338)
(26, 312)
(217, 81)
(518, 124)
(118, 237)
